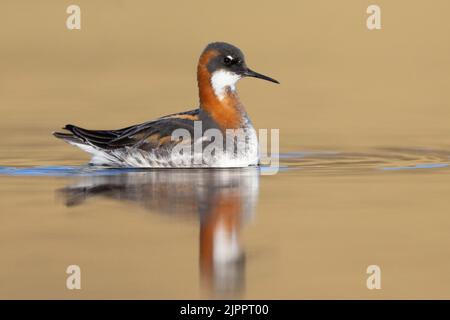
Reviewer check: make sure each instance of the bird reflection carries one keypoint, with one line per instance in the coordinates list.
(223, 200)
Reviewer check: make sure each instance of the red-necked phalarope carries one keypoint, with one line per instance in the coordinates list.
(153, 144)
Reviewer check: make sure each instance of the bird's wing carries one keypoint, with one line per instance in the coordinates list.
(148, 135)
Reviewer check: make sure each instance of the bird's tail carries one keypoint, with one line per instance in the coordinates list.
(68, 137)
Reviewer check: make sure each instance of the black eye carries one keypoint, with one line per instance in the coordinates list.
(227, 61)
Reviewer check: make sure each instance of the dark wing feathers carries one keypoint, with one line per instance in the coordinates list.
(131, 136)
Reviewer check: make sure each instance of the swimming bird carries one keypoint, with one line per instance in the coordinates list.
(182, 139)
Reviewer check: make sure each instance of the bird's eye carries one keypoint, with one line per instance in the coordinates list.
(227, 60)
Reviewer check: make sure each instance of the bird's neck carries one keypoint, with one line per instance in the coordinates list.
(220, 102)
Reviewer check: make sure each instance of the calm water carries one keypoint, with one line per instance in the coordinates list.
(308, 232)
(364, 136)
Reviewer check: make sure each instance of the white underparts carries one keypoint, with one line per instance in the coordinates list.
(221, 80)
(246, 154)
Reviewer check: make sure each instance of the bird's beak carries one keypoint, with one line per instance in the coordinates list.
(251, 73)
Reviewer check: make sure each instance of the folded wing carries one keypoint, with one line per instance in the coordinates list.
(147, 136)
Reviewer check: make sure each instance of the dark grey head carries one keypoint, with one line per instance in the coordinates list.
(227, 59)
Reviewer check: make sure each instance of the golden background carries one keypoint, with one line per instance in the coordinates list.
(343, 88)
(341, 84)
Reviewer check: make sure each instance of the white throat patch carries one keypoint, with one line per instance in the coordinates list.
(222, 79)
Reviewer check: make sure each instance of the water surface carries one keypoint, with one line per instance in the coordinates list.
(308, 232)
(364, 141)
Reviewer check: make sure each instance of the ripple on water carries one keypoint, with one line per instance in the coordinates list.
(381, 159)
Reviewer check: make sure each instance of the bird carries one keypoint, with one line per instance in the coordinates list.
(182, 139)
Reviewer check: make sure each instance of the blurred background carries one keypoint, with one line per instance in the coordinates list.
(343, 89)
(341, 84)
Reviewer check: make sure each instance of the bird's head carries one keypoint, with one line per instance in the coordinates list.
(223, 65)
